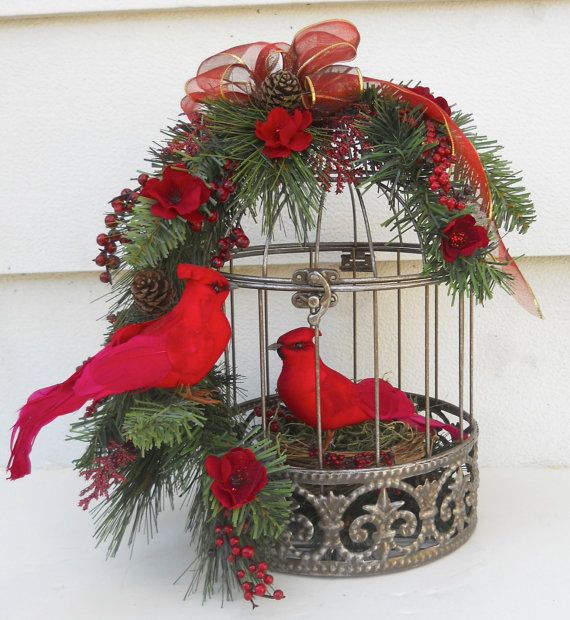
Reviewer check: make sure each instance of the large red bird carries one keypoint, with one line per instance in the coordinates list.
(343, 402)
(178, 349)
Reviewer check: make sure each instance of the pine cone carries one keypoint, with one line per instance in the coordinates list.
(279, 89)
(152, 291)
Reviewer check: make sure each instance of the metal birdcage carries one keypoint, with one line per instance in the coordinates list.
(384, 517)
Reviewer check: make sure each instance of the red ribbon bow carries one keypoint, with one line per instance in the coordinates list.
(235, 74)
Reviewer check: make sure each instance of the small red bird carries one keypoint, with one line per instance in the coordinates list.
(178, 349)
(343, 402)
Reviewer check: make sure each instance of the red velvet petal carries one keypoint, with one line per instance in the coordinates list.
(212, 467)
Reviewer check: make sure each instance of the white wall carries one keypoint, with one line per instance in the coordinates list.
(82, 97)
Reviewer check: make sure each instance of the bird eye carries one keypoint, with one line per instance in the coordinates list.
(216, 287)
(298, 345)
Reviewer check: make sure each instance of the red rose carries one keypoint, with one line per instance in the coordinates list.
(462, 237)
(284, 133)
(424, 91)
(177, 193)
(238, 477)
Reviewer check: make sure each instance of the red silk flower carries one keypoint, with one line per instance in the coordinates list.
(462, 237)
(238, 477)
(424, 91)
(284, 133)
(177, 193)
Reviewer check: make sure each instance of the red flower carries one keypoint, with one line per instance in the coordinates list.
(424, 91)
(238, 477)
(462, 237)
(177, 193)
(284, 133)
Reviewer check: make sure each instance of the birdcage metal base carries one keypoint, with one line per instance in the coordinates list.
(380, 520)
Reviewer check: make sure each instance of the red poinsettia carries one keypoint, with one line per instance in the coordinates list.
(238, 477)
(462, 237)
(441, 102)
(177, 193)
(284, 133)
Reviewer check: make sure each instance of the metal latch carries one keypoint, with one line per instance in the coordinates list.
(318, 302)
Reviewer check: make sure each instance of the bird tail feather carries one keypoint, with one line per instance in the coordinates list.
(396, 406)
(42, 407)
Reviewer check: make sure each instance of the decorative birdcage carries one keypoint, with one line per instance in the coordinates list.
(423, 503)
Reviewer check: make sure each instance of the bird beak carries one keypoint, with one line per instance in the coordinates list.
(275, 346)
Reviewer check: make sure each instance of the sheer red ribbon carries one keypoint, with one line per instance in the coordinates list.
(314, 57)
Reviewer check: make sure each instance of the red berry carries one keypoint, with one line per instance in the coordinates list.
(223, 194)
(111, 247)
(105, 277)
(197, 226)
(451, 203)
(113, 262)
(262, 566)
(234, 540)
(142, 179)
(102, 239)
(461, 206)
(240, 574)
(252, 568)
(278, 595)
(225, 255)
(434, 187)
(218, 529)
(110, 221)
(228, 529)
(118, 206)
(247, 552)
(237, 231)
(224, 243)
(236, 550)
(219, 542)
(126, 191)
(260, 574)
(436, 158)
(247, 586)
(231, 559)
(101, 260)
(213, 217)
(274, 426)
(124, 240)
(260, 589)
(248, 596)
(443, 200)
(268, 579)
(217, 262)
(242, 241)
(433, 178)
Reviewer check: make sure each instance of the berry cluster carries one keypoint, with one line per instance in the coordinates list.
(440, 155)
(359, 460)
(253, 578)
(237, 238)
(107, 242)
(347, 144)
(275, 416)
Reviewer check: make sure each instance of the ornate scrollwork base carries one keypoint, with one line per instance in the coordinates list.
(358, 522)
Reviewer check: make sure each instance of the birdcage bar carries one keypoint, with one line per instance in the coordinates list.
(354, 295)
(264, 273)
(233, 336)
(461, 329)
(427, 355)
(318, 396)
(436, 342)
(471, 351)
(399, 317)
(262, 359)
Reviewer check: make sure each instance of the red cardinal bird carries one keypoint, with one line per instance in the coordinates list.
(178, 349)
(343, 402)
